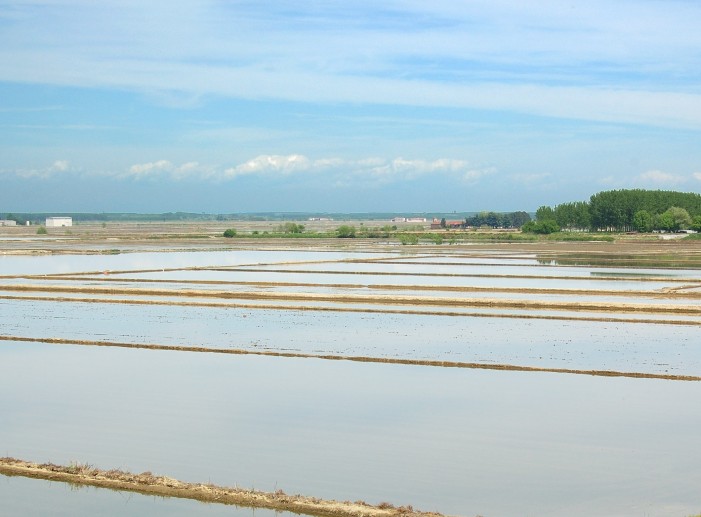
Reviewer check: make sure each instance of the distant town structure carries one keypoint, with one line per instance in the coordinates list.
(59, 221)
(437, 224)
(408, 219)
(8, 222)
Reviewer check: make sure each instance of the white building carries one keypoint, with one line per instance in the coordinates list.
(7, 222)
(59, 221)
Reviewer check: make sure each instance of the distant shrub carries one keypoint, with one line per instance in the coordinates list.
(408, 238)
(41, 231)
(345, 231)
(291, 228)
(542, 227)
(230, 233)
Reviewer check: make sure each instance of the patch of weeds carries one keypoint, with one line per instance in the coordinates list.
(408, 238)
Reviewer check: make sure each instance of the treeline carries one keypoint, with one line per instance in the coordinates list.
(498, 220)
(623, 210)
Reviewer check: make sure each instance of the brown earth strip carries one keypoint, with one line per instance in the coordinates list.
(147, 483)
(649, 263)
(367, 310)
(371, 299)
(360, 359)
(685, 291)
(628, 278)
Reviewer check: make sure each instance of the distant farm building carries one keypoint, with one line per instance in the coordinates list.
(8, 222)
(436, 224)
(408, 219)
(59, 221)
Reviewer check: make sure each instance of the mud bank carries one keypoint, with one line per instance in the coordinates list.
(149, 484)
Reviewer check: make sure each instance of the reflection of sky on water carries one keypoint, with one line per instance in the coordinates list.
(38, 498)
(401, 280)
(51, 264)
(494, 267)
(450, 440)
(630, 347)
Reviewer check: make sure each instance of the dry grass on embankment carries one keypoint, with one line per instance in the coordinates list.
(149, 484)
(369, 299)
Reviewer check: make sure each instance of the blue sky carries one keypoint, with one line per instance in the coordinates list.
(406, 106)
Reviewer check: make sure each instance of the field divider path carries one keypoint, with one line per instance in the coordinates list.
(621, 278)
(163, 486)
(363, 310)
(367, 299)
(684, 291)
(360, 359)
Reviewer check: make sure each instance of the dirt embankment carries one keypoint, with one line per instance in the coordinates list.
(147, 483)
(361, 359)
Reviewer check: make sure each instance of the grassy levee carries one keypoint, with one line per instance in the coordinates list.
(149, 484)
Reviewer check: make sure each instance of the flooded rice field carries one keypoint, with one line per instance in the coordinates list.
(467, 381)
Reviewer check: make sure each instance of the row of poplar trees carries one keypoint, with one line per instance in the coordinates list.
(628, 210)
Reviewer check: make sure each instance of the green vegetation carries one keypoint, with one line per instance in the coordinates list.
(545, 227)
(496, 220)
(615, 210)
(291, 228)
(345, 231)
(408, 238)
(624, 211)
(41, 231)
(230, 233)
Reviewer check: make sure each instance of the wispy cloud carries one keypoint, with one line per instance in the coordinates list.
(341, 172)
(161, 169)
(588, 61)
(656, 177)
(270, 164)
(58, 167)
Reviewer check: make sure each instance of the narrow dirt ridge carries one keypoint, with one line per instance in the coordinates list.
(360, 359)
(149, 484)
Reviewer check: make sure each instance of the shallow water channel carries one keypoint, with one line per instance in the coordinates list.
(457, 440)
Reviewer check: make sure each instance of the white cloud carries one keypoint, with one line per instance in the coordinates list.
(474, 175)
(401, 168)
(166, 168)
(143, 170)
(56, 168)
(59, 166)
(661, 178)
(264, 164)
(594, 61)
(372, 171)
(697, 175)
